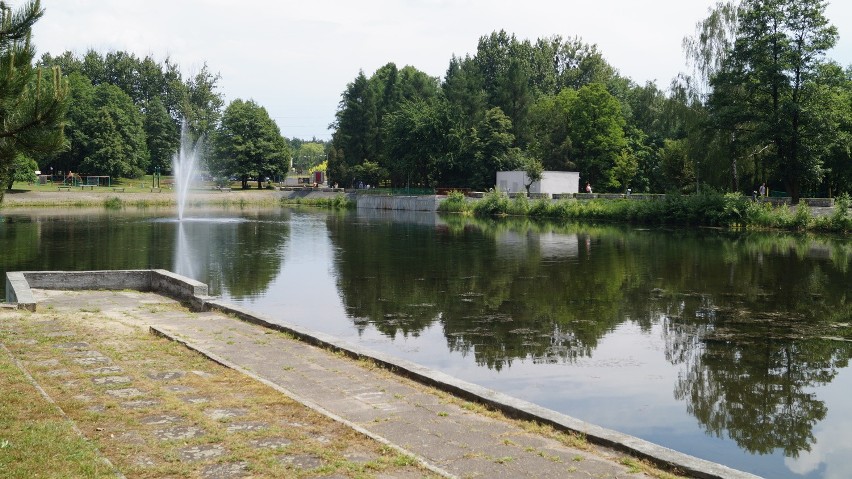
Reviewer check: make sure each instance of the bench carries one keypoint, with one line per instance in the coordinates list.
(155, 190)
(66, 188)
(91, 187)
(118, 188)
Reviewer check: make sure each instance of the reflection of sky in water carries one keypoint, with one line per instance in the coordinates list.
(305, 287)
(831, 456)
(626, 384)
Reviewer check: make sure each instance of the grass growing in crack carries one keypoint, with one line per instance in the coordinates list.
(632, 464)
(29, 423)
(140, 354)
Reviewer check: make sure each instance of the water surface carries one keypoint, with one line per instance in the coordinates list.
(733, 347)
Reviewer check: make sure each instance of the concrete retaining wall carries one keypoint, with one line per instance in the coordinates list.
(410, 203)
(819, 202)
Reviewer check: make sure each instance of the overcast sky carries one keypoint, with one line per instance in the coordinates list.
(296, 57)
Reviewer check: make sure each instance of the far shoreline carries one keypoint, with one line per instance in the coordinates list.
(161, 197)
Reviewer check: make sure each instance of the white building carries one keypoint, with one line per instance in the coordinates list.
(551, 182)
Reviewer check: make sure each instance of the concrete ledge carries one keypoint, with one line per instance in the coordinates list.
(776, 201)
(511, 406)
(19, 284)
(818, 202)
(18, 289)
(563, 196)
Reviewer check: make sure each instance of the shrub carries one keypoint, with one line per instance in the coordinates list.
(520, 205)
(455, 203)
(494, 203)
(113, 203)
(541, 208)
(802, 219)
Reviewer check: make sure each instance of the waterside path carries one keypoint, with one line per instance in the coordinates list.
(92, 352)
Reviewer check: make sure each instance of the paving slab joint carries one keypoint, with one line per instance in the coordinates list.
(195, 294)
(296, 397)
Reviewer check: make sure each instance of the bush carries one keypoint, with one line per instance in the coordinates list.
(113, 203)
(803, 218)
(494, 203)
(520, 205)
(839, 219)
(455, 203)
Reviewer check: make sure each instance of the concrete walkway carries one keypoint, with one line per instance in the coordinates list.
(449, 437)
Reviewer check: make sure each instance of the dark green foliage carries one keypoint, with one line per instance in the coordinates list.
(764, 107)
(116, 137)
(33, 101)
(483, 119)
(248, 144)
(158, 92)
(162, 138)
(767, 95)
(23, 170)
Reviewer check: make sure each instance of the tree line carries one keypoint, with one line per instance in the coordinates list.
(764, 105)
(120, 115)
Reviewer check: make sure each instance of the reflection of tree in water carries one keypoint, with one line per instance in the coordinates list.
(493, 289)
(759, 392)
(238, 256)
(748, 316)
(246, 256)
(754, 350)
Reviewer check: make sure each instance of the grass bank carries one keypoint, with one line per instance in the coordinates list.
(705, 209)
(337, 202)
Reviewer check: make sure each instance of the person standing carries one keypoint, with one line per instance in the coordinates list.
(588, 187)
(762, 190)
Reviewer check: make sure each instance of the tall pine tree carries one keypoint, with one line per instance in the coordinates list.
(32, 101)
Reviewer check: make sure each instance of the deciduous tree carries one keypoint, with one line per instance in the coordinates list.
(248, 144)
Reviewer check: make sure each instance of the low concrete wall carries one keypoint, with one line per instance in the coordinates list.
(819, 202)
(586, 196)
(19, 284)
(410, 203)
(180, 287)
(776, 201)
(645, 196)
(18, 291)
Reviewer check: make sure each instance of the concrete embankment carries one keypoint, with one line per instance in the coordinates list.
(447, 436)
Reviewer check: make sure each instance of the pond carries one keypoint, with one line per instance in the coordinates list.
(733, 347)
